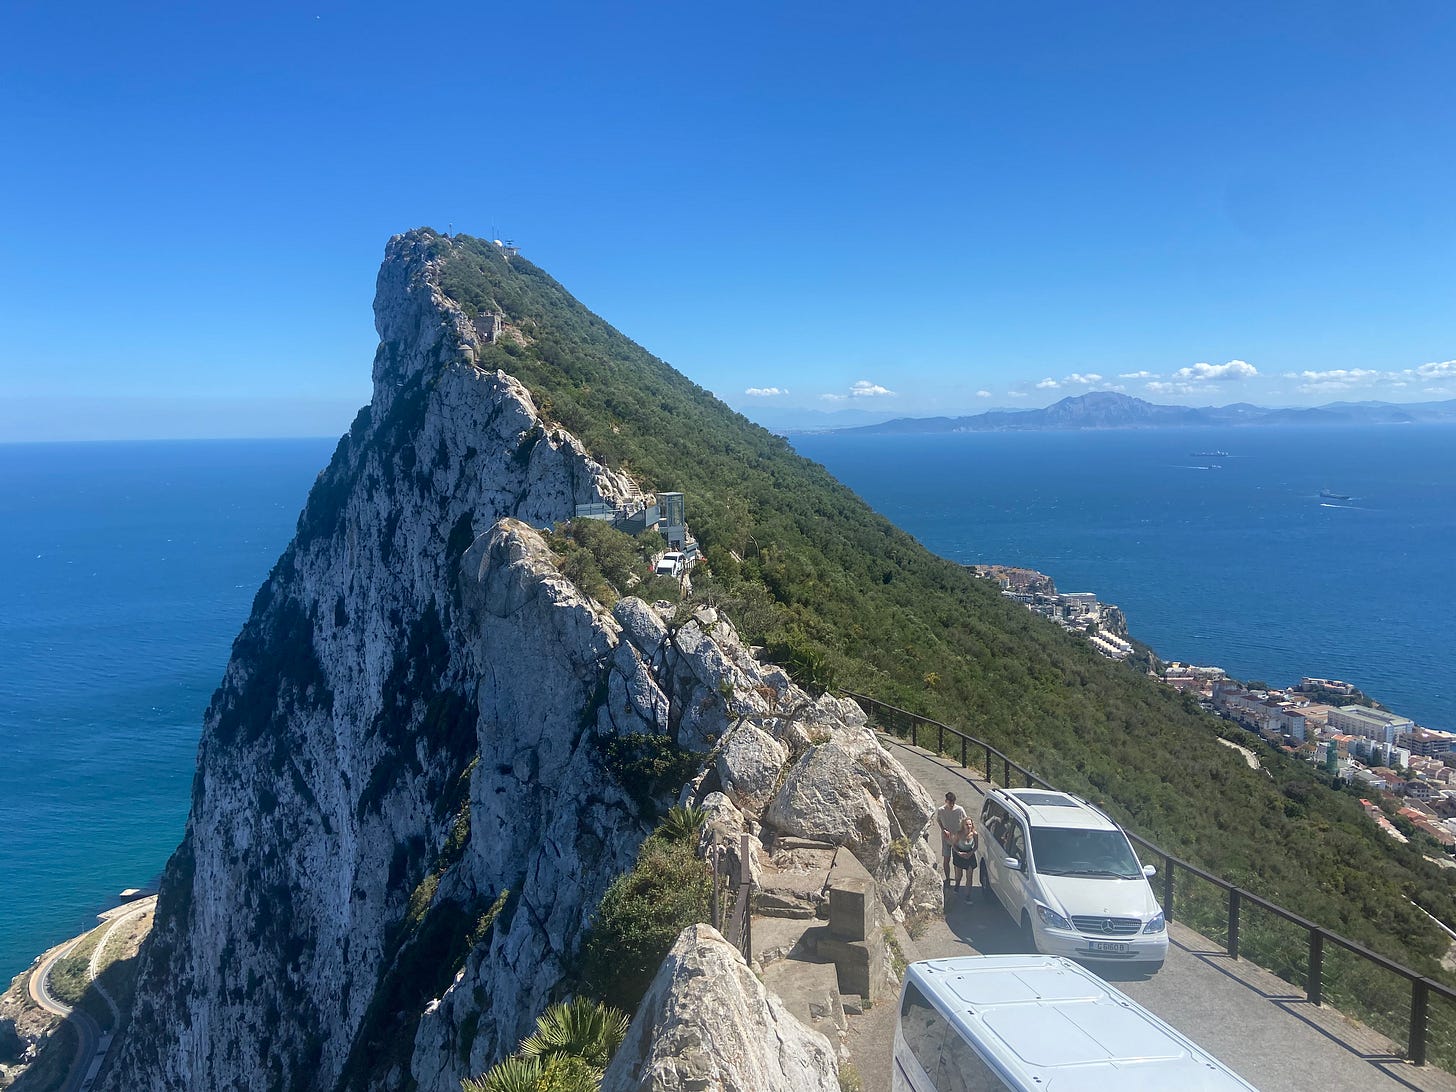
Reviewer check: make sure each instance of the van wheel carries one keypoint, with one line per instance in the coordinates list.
(985, 883)
(1028, 935)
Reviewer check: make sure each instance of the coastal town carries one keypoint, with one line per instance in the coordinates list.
(1408, 770)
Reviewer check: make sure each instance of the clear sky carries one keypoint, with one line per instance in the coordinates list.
(910, 209)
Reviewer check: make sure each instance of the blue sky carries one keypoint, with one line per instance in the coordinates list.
(931, 209)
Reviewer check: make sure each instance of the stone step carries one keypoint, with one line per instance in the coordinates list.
(810, 991)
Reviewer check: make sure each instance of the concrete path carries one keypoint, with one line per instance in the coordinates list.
(1259, 1025)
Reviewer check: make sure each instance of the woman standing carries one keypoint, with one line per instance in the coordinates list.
(963, 854)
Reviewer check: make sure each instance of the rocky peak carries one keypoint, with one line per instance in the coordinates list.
(405, 812)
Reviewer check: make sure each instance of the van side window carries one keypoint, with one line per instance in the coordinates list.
(923, 1028)
(1016, 843)
(963, 1070)
(994, 820)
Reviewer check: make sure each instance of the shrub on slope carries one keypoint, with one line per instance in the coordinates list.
(832, 589)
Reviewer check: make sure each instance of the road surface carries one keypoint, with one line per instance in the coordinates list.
(1257, 1024)
(88, 1034)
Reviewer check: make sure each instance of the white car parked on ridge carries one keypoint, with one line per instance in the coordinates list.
(1069, 876)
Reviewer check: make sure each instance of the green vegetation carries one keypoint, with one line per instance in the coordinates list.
(651, 768)
(570, 1050)
(642, 914)
(841, 597)
(607, 564)
(682, 823)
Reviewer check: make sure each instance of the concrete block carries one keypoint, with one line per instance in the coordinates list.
(778, 905)
(851, 915)
(859, 963)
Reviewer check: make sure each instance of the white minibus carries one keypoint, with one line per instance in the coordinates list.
(1037, 1022)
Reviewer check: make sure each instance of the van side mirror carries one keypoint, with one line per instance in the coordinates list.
(1149, 871)
(1013, 863)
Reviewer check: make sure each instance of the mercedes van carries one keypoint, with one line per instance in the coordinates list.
(1069, 877)
(1036, 1022)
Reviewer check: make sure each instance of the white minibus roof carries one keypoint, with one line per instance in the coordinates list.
(1054, 1025)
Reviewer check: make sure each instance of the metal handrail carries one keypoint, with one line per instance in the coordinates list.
(730, 908)
(1422, 987)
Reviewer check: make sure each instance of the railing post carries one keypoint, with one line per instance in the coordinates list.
(963, 752)
(1167, 888)
(745, 862)
(716, 920)
(989, 780)
(1233, 922)
(1005, 772)
(1420, 997)
(1315, 990)
(939, 738)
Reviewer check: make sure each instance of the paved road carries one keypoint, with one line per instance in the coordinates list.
(87, 1032)
(1252, 1021)
(115, 918)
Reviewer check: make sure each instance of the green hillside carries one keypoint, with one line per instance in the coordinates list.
(832, 590)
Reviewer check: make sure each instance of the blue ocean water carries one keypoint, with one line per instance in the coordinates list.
(126, 571)
(1245, 566)
(129, 568)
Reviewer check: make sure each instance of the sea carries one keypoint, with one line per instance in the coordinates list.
(128, 569)
(1223, 547)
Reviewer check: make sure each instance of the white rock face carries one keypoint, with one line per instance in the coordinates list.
(403, 814)
(748, 764)
(414, 659)
(850, 791)
(708, 1023)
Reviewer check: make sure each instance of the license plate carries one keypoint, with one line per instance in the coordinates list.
(1107, 945)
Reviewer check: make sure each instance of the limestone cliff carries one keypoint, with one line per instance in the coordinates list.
(707, 1022)
(404, 812)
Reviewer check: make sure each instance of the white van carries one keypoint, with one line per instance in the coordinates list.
(1067, 874)
(1036, 1022)
(671, 564)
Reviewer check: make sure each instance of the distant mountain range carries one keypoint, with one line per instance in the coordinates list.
(1108, 409)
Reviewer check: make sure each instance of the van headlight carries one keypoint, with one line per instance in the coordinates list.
(1051, 918)
(1157, 925)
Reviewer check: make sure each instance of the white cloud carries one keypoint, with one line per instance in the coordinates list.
(1157, 387)
(1139, 375)
(834, 397)
(766, 392)
(1076, 379)
(863, 388)
(1208, 373)
(1017, 394)
(1336, 379)
(1343, 379)
(983, 394)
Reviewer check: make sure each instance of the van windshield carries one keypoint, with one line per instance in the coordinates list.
(1060, 851)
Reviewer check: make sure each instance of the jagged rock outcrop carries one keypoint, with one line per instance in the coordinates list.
(708, 1023)
(850, 791)
(408, 729)
(406, 807)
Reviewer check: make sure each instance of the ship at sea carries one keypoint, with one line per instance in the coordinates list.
(1209, 454)
(1327, 495)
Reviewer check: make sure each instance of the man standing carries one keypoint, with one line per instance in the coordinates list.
(950, 819)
